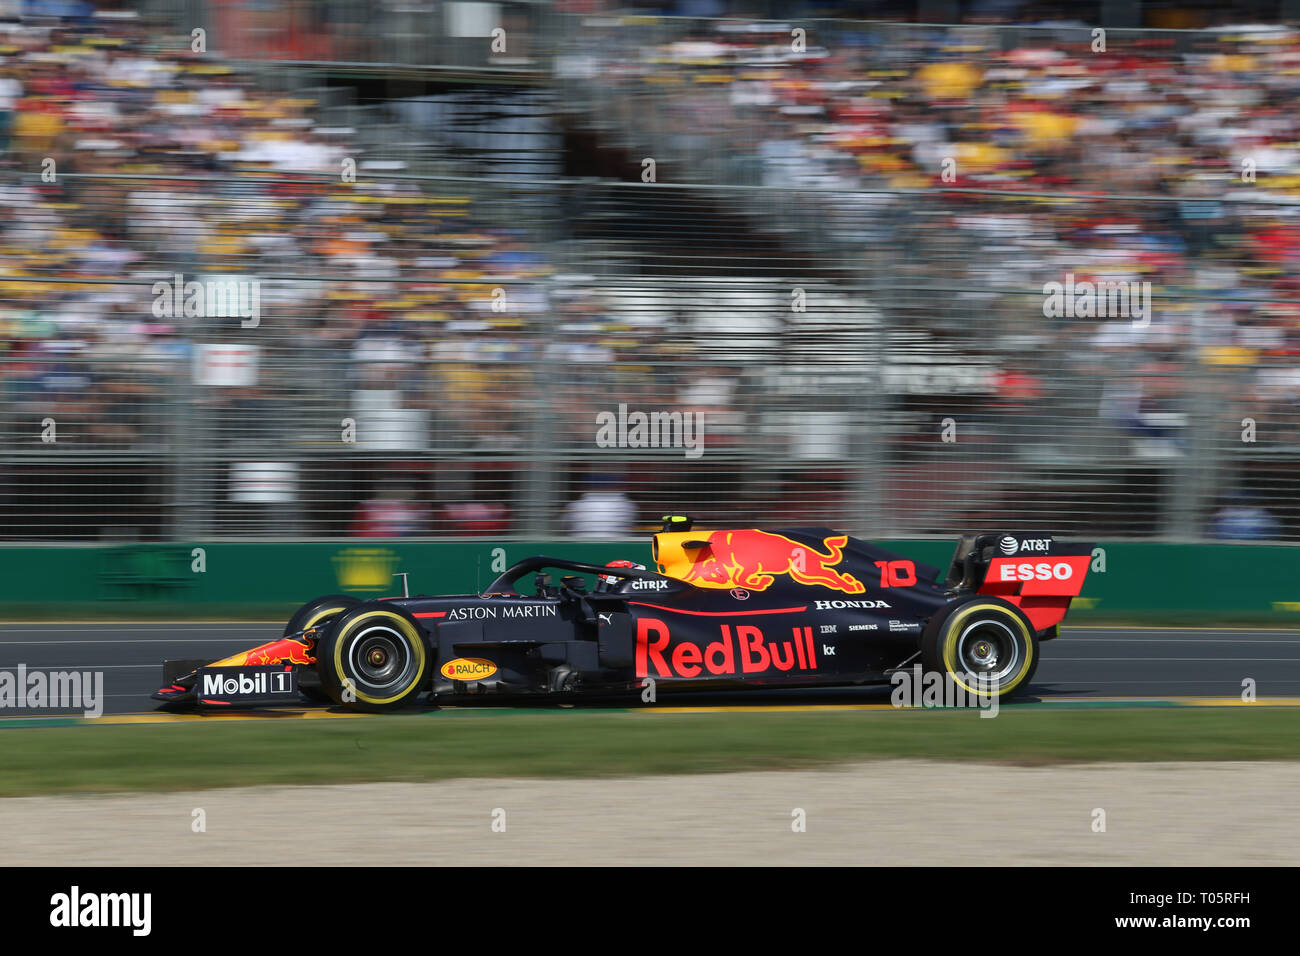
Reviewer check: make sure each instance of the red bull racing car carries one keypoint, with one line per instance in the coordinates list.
(722, 609)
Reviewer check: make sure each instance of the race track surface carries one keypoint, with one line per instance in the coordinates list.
(1084, 663)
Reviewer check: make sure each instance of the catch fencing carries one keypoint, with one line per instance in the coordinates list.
(742, 328)
(450, 356)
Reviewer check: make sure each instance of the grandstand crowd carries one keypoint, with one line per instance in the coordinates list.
(140, 160)
(1198, 141)
(130, 158)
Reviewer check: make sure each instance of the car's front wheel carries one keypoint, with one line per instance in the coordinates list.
(985, 646)
(321, 609)
(372, 658)
(313, 614)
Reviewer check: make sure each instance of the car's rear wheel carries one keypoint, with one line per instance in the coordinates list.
(372, 658)
(313, 614)
(986, 646)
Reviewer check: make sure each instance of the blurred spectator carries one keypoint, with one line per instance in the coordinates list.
(1019, 395)
(392, 513)
(1243, 518)
(11, 91)
(602, 511)
(475, 517)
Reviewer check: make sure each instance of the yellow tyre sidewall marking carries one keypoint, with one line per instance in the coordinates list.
(407, 630)
(327, 612)
(954, 629)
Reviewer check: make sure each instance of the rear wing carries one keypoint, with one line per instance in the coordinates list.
(1037, 573)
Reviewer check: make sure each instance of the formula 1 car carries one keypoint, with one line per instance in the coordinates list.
(724, 609)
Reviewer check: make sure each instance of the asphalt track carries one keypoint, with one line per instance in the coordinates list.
(1084, 664)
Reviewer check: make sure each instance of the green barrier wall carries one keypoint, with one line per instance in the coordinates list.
(1182, 583)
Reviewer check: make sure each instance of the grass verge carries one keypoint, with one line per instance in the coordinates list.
(566, 743)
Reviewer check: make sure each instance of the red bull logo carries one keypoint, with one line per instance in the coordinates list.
(752, 559)
(744, 650)
(284, 651)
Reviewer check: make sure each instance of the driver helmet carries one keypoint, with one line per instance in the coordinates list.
(607, 582)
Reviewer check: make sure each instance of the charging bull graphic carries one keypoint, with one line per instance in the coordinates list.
(752, 559)
(283, 651)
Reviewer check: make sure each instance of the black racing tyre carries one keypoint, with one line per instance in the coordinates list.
(985, 645)
(309, 615)
(313, 612)
(373, 658)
